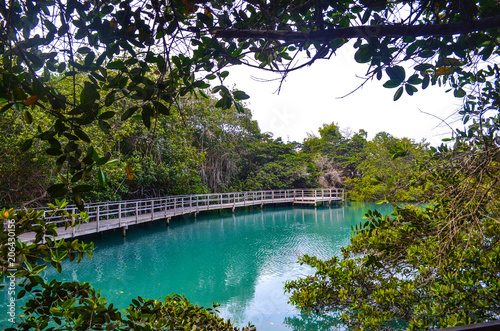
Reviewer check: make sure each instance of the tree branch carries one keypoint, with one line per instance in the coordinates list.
(365, 31)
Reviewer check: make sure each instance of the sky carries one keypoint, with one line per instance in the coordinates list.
(311, 97)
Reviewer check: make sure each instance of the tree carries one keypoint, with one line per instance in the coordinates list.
(268, 164)
(341, 149)
(390, 164)
(158, 51)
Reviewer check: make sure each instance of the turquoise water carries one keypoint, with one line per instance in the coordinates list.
(240, 261)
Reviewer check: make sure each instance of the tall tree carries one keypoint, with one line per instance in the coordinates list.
(389, 166)
(186, 44)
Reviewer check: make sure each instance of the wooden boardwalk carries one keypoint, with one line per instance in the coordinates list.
(122, 214)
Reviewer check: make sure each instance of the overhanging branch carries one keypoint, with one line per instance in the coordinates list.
(365, 31)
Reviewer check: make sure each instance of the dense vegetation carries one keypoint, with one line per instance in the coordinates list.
(90, 88)
(199, 148)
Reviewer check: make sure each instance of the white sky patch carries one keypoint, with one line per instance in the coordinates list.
(310, 97)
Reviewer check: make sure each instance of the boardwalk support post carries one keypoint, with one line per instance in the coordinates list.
(124, 231)
(168, 221)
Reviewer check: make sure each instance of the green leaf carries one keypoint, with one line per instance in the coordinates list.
(170, 29)
(77, 197)
(26, 145)
(459, 93)
(201, 84)
(118, 64)
(105, 127)
(110, 98)
(426, 81)
(363, 54)
(239, 107)
(366, 15)
(129, 112)
(147, 113)
(83, 188)
(240, 95)
(102, 160)
(392, 83)
(77, 176)
(107, 115)
(28, 117)
(398, 93)
(57, 190)
(89, 59)
(410, 89)
(423, 67)
(89, 94)
(83, 50)
(396, 73)
(112, 162)
(82, 135)
(35, 60)
(161, 108)
(6, 107)
(101, 177)
(414, 80)
(53, 151)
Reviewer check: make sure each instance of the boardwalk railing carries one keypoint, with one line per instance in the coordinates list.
(120, 214)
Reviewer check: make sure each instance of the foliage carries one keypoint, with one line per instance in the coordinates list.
(431, 267)
(54, 305)
(268, 163)
(337, 154)
(390, 165)
(157, 52)
(396, 270)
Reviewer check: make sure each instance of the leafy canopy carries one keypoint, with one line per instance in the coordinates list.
(155, 52)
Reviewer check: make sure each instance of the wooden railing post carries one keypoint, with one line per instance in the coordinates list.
(97, 218)
(73, 221)
(152, 209)
(136, 212)
(120, 214)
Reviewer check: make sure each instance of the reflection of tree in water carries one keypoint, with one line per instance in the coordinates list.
(315, 322)
(217, 257)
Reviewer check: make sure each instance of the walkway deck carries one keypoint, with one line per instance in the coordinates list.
(122, 214)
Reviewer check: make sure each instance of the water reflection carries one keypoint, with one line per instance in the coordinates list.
(240, 261)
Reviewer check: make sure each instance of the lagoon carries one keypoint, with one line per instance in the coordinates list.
(240, 260)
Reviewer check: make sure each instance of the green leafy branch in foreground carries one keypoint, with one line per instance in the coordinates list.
(392, 273)
(54, 305)
(431, 267)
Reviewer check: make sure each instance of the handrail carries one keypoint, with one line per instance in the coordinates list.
(197, 202)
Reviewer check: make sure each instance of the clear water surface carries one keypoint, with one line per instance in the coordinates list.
(240, 261)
